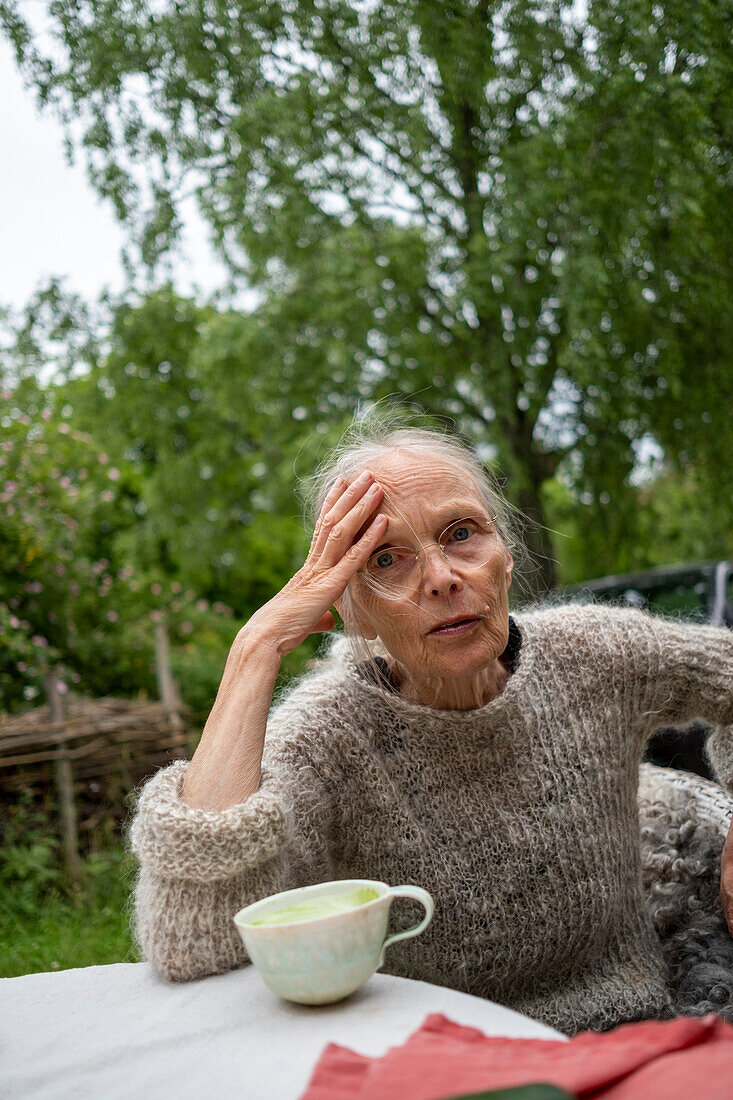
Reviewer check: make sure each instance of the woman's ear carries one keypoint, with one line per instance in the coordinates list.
(508, 570)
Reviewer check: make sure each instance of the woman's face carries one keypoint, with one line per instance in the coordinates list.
(422, 496)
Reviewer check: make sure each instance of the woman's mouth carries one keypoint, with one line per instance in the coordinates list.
(463, 626)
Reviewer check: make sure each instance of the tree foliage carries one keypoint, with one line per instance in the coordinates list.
(517, 211)
(148, 486)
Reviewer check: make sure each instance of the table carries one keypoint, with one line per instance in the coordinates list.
(121, 1031)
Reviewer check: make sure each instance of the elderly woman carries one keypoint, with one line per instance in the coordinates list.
(491, 758)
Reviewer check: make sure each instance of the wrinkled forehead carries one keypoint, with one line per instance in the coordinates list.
(422, 488)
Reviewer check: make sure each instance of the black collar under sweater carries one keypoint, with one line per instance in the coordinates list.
(377, 671)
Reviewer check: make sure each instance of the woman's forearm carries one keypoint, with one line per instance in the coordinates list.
(225, 769)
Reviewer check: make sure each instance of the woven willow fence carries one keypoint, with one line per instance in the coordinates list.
(87, 755)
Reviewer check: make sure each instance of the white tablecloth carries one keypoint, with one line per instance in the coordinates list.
(121, 1031)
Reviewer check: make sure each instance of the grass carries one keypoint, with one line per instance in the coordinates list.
(45, 924)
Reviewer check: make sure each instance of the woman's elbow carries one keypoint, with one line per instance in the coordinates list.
(184, 930)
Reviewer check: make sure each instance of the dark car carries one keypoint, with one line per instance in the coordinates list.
(699, 592)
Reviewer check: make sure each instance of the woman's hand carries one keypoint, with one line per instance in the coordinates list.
(726, 879)
(302, 606)
(226, 767)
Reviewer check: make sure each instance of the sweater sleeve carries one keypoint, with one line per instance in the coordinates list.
(686, 672)
(198, 868)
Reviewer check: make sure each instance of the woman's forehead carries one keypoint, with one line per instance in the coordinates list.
(417, 487)
(406, 471)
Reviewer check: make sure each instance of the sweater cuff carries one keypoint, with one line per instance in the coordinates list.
(177, 841)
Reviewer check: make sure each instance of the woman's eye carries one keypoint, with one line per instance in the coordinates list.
(383, 560)
(460, 534)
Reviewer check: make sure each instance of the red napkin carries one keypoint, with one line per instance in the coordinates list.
(675, 1059)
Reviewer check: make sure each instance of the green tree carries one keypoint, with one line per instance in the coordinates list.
(538, 198)
(188, 397)
(83, 563)
(64, 594)
(189, 401)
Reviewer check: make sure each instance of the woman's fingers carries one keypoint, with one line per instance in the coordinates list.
(347, 531)
(341, 518)
(319, 535)
(355, 557)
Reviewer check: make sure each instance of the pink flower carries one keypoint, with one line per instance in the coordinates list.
(156, 589)
(40, 641)
(107, 496)
(64, 429)
(113, 474)
(63, 688)
(103, 458)
(14, 622)
(202, 605)
(186, 628)
(112, 616)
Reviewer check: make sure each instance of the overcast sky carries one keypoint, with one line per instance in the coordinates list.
(52, 222)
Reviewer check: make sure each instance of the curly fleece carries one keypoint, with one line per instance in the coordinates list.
(681, 875)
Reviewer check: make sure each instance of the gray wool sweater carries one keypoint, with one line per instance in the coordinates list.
(520, 817)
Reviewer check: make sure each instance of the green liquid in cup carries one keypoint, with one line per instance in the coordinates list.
(311, 908)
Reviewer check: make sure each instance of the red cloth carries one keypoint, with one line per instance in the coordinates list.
(682, 1059)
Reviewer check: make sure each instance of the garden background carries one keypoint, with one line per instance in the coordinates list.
(514, 216)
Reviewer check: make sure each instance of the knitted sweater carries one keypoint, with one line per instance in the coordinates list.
(519, 817)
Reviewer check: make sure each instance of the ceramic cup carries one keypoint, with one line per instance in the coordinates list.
(323, 959)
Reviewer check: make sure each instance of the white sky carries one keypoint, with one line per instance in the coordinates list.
(51, 221)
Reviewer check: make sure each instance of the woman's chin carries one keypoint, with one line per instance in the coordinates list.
(460, 660)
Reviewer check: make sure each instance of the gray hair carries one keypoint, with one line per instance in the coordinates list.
(367, 439)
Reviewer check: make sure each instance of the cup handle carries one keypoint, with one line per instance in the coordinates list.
(425, 899)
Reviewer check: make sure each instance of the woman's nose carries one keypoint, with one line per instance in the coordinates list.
(438, 575)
